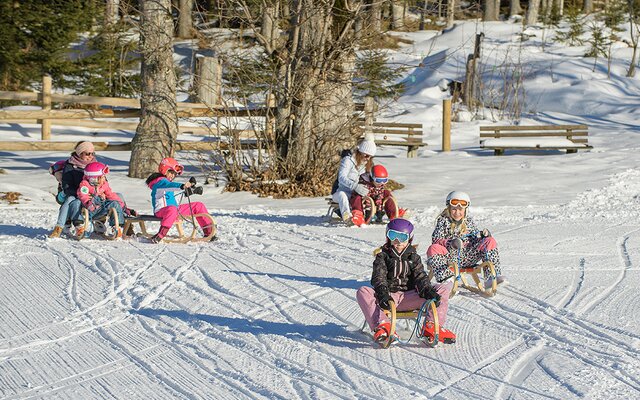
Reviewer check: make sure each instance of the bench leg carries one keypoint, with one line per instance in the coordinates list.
(498, 152)
(412, 151)
(570, 151)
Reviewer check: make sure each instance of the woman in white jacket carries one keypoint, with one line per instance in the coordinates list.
(351, 167)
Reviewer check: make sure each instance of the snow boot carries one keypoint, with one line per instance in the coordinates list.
(382, 332)
(57, 231)
(444, 336)
(157, 238)
(358, 218)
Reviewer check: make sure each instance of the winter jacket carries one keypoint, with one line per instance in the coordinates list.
(162, 193)
(442, 234)
(393, 272)
(71, 178)
(92, 197)
(349, 174)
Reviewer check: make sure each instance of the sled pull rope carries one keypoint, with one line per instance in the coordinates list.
(420, 320)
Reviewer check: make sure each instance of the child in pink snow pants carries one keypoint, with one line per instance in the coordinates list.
(398, 275)
(163, 199)
(456, 235)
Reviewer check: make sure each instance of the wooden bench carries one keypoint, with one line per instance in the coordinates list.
(543, 137)
(399, 134)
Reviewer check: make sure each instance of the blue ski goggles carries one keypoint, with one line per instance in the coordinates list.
(381, 180)
(396, 235)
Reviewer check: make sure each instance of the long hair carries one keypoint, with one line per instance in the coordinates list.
(359, 159)
(457, 227)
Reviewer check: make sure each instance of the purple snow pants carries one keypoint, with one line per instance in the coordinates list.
(405, 301)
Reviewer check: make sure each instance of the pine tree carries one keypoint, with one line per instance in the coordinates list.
(35, 36)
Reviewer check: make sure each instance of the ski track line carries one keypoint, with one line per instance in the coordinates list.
(575, 288)
(234, 385)
(564, 316)
(77, 318)
(625, 260)
(583, 351)
(520, 368)
(561, 380)
(269, 359)
(78, 378)
(475, 371)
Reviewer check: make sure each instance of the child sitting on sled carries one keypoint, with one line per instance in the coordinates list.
(164, 202)
(96, 196)
(456, 232)
(372, 184)
(398, 275)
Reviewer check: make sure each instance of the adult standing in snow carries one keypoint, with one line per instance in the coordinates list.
(398, 275)
(456, 231)
(352, 166)
(72, 174)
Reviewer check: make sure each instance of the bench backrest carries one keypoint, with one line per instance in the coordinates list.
(396, 131)
(575, 133)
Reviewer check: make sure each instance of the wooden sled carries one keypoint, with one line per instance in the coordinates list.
(371, 214)
(181, 238)
(411, 315)
(476, 272)
(111, 234)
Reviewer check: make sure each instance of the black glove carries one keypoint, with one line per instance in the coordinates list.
(383, 300)
(428, 293)
(485, 233)
(456, 243)
(193, 190)
(131, 212)
(192, 180)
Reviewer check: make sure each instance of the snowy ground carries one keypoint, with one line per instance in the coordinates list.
(269, 310)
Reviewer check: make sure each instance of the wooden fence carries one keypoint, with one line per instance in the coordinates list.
(99, 119)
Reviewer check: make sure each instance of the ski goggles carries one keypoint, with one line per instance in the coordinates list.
(381, 181)
(397, 235)
(178, 169)
(458, 203)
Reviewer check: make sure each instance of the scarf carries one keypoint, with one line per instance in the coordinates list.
(78, 162)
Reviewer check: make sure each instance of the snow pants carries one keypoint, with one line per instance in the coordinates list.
(440, 257)
(342, 198)
(169, 214)
(388, 202)
(103, 209)
(405, 301)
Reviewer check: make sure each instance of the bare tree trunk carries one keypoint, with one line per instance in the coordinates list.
(451, 10)
(269, 28)
(491, 10)
(112, 12)
(559, 4)
(397, 14)
(516, 8)
(185, 19)
(635, 36)
(532, 12)
(375, 16)
(158, 129)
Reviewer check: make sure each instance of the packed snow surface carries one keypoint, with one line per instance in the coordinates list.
(269, 310)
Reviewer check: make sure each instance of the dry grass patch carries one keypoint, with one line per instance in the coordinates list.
(10, 197)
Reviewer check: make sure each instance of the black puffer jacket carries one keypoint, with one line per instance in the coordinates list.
(393, 272)
(71, 178)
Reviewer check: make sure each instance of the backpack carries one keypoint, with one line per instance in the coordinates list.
(56, 170)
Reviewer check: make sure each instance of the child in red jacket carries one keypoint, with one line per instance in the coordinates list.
(373, 185)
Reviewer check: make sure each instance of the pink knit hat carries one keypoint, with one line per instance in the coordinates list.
(85, 147)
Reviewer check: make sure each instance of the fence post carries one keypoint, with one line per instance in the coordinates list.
(208, 80)
(45, 98)
(446, 125)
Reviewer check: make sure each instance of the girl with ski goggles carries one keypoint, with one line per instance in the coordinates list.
(380, 181)
(397, 235)
(458, 203)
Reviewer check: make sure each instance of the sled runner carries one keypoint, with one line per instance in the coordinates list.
(460, 279)
(419, 317)
(101, 225)
(141, 220)
(371, 214)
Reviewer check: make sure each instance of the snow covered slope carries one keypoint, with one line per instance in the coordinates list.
(269, 311)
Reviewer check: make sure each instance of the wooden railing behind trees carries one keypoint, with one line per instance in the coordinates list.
(130, 108)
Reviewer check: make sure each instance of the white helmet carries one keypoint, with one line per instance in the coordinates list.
(457, 195)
